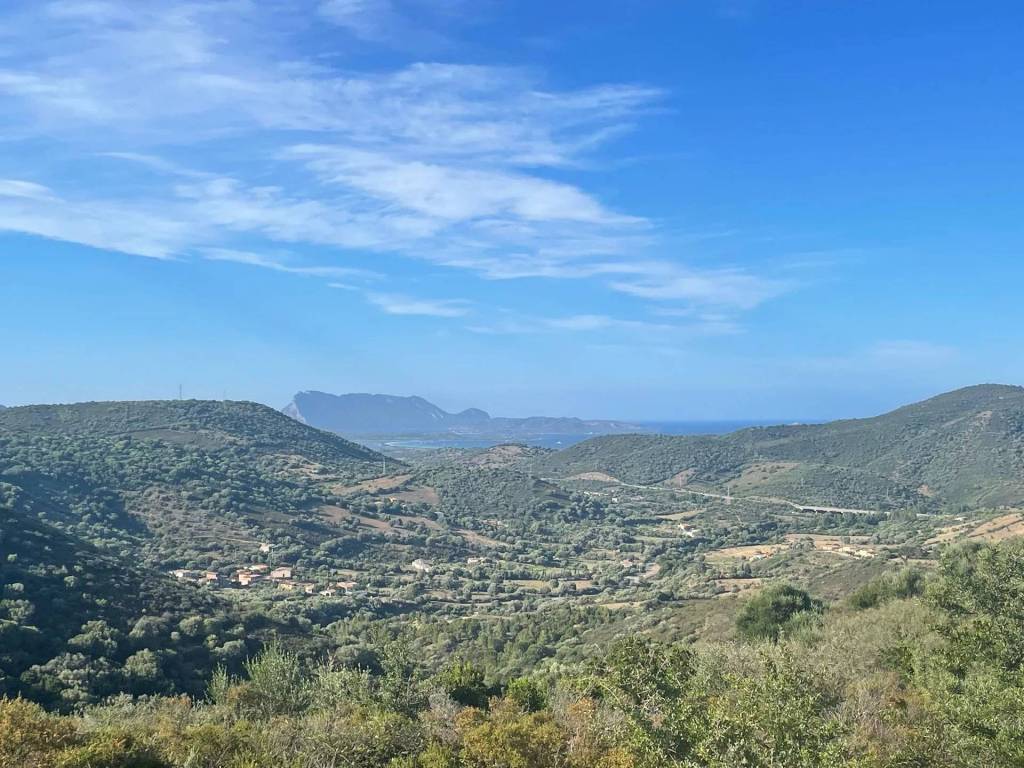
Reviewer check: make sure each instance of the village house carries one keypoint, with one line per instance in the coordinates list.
(266, 547)
(210, 577)
(422, 565)
(329, 592)
(185, 574)
(292, 586)
(259, 568)
(245, 578)
(475, 560)
(348, 586)
(284, 572)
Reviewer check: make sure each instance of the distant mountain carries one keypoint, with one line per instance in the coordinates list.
(961, 448)
(364, 414)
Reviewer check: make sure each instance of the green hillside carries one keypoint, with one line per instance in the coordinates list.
(961, 448)
(182, 482)
(202, 423)
(78, 624)
(97, 500)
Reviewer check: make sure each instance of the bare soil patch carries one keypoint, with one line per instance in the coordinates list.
(597, 477)
(421, 494)
(999, 528)
(374, 485)
(752, 552)
(681, 479)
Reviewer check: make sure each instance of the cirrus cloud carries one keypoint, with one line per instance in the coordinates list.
(182, 112)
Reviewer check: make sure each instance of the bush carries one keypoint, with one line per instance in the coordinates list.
(909, 582)
(29, 737)
(766, 615)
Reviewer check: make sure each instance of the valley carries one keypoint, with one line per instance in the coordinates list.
(259, 515)
(227, 553)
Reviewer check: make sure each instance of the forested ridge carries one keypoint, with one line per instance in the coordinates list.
(963, 448)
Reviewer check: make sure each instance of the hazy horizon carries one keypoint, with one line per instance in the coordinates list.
(650, 421)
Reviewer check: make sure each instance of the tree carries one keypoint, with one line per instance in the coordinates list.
(766, 614)
(977, 681)
(464, 682)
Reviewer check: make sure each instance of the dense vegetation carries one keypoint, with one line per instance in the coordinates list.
(909, 681)
(961, 449)
(95, 498)
(607, 623)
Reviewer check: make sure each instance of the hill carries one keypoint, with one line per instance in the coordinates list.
(356, 414)
(78, 622)
(962, 448)
(99, 500)
(202, 423)
(180, 483)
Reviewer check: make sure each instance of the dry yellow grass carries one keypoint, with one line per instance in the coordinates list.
(755, 474)
(420, 494)
(999, 528)
(680, 479)
(948, 533)
(598, 477)
(755, 551)
(741, 585)
(479, 539)
(677, 516)
(854, 546)
(374, 484)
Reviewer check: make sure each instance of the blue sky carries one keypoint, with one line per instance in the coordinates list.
(678, 210)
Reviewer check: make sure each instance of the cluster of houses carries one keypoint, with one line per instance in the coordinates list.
(282, 576)
(197, 577)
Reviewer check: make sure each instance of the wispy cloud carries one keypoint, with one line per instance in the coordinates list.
(367, 19)
(24, 190)
(406, 25)
(469, 167)
(453, 193)
(509, 323)
(731, 287)
(139, 229)
(155, 163)
(396, 304)
(278, 265)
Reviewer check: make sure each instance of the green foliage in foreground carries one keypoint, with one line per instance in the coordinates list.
(906, 682)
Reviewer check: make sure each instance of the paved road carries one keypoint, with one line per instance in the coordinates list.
(763, 499)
